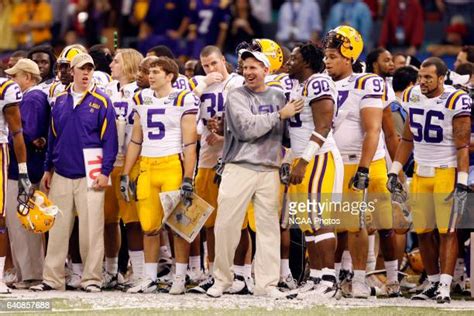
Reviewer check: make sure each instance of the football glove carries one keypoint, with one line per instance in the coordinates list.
(125, 185)
(24, 185)
(459, 195)
(360, 181)
(219, 168)
(399, 195)
(186, 191)
(285, 173)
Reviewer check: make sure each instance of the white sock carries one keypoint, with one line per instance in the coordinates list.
(2, 266)
(446, 279)
(165, 252)
(315, 273)
(248, 270)
(359, 275)
(211, 267)
(77, 268)
(285, 267)
(195, 263)
(181, 269)
(459, 269)
(111, 265)
(433, 278)
(392, 270)
(346, 261)
(151, 270)
(337, 267)
(138, 263)
(240, 270)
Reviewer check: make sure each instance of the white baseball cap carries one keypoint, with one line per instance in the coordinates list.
(257, 55)
(82, 59)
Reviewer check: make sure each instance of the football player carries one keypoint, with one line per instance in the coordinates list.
(164, 128)
(164, 51)
(44, 57)
(212, 90)
(318, 169)
(438, 131)
(124, 67)
(357, 132)
(10, 121)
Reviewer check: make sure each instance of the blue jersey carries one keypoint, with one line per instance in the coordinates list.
(166, 15)
(208, 16)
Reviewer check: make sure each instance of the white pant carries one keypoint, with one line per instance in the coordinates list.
(70, 195)
(27, 248)
(239, 186)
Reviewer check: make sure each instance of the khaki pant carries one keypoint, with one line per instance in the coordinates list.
(69, 194)
(27, 247)
(240, 186)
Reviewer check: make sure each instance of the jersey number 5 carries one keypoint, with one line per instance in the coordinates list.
(160, 133)
(428, 130)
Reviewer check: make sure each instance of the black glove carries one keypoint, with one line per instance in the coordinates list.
(186, 191)
(219, 168)
(24, 184)
(360, 181)
(124, 186)
(459, 205)
(285, 173)
(399, 195)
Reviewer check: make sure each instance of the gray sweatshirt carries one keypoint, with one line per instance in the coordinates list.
(252, 128)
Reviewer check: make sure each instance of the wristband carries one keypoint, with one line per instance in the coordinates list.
(396, 167)
(462, 177)
(321, 137)
(22, 167)
(310, 151)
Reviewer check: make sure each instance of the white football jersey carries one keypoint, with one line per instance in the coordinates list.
(355, 93)
(431, 123)
(181, 83)
(212, 104)
(282, 81)
(301, 125)
(54, 90)
(160, 119)
(101, 79)
(46, 85)
(9, 93)
(122, 100)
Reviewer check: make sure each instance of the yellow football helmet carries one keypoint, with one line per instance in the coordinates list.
(272, 50)
(69, 52)
(36, 213)
(347, 39)
(415, 261)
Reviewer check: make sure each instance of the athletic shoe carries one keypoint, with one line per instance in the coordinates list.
(443, 294)
(26, 284)
(4, 289)
(250, 284)
(239, 286)
(216, 290)
(309, 285)
(203, 286)
(287, 283)
(392, 289)
(273, 292)
(194, 277)
(458, 286)
(92, 288)
(429, 293)
(360, 289)
(111, 281)
(345, 282)
(326, 289)
(9, 276)
(406, 285)
(42, 287)
(146, 285)
(179, 285)
(166, 279)
(73, 282)
(420, 287)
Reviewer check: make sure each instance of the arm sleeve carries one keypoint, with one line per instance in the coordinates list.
(462, 104)
(109, 138)
(34, 116)
(245, 125)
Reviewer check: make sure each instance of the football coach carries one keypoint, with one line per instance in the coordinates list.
(253, 130)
